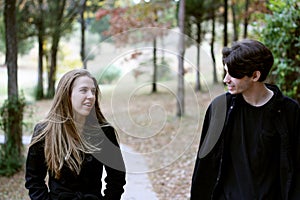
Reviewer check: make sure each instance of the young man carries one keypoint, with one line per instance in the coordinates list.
(250, 142)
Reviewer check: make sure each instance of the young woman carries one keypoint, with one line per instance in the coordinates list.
(72, 144)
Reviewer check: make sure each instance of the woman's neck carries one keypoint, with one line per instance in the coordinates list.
(79, 123)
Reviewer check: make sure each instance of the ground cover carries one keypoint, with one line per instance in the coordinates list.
(147, 123)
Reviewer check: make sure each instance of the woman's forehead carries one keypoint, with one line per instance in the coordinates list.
(84, 80)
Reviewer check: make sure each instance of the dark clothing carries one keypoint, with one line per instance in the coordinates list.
(87, 185)
(244, 149)
(256, 154)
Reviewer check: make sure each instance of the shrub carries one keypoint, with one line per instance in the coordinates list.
(11, 118)
(281, 34)
(108, 74)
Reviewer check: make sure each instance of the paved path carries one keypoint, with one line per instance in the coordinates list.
(138, 185)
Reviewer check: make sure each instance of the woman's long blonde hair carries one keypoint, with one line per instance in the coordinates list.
(64, 144)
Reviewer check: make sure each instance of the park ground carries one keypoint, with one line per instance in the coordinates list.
(169, 170)
(145, 121)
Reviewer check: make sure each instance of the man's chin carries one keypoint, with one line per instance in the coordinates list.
(232, 91)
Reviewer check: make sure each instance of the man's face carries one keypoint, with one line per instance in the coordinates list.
(237, 85)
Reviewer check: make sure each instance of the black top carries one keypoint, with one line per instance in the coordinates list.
(253, 145)
(281, 121)
(86, 185)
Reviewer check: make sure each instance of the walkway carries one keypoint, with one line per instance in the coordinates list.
(138, 185)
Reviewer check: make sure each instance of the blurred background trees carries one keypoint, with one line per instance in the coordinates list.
(25, 24)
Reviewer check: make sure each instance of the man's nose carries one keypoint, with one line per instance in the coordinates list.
(226, 78)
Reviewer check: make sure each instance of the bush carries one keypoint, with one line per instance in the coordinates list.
(282, 35)
(108, 75)
(11, 118)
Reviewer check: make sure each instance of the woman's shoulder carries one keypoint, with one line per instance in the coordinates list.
(110, 132)
(108, 128)
(38, 128)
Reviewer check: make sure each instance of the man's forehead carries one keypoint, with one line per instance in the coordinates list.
(225, 67)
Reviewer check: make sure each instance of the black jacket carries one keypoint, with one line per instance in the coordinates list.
(285, 113)
(87, 185)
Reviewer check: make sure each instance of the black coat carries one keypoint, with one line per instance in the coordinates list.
(86, 185)
(210, 159)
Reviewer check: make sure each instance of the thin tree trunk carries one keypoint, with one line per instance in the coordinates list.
(234, 22)
(246, 19)
(82, 21)
(52, 70)
(198, 84)
(40, 86)
(154, 89)
(225, 37)
(225, 15)
(54, 48)
(180, 93)
(212, 51)
(41, 31)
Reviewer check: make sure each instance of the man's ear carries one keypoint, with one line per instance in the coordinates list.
(256, 75)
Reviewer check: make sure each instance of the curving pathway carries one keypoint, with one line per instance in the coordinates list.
(138, 185)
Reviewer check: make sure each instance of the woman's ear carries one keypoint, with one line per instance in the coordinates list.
(256, 75)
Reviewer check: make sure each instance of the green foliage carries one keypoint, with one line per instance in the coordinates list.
(198, 14)
(38, 92)
(24, 45)
(282, 35)
(108, 75)
(11, 117)
(9, 164)
(2, 35)
(99, 26)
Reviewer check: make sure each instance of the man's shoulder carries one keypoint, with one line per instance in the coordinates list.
(223, 98)
(290, 103)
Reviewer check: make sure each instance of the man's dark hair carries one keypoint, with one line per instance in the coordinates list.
(247, 56)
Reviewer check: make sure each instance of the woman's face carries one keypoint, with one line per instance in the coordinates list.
(83, 97)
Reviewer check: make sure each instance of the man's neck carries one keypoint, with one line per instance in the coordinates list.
(258, 95)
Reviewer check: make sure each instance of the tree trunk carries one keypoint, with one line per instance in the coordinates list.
(40, 85)
(54, 47)
(246, 18)
(180, 92)
(225, 37)
(52, 70)
(154, 89)
(82, 21)
(234, 22)
(14, 113)
(225, 15)
(198, 84)
(212, 51)
(11, 48)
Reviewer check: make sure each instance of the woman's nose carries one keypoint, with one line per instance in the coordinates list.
(90, 94)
